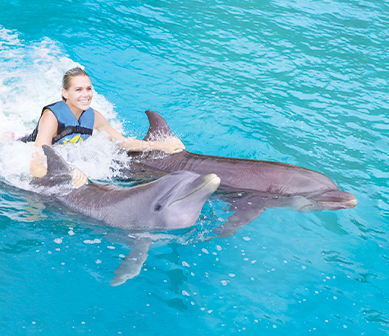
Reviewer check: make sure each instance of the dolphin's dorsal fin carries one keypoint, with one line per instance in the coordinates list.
(158, 129)
(55, 163)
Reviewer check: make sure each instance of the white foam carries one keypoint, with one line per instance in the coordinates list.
(30, 78)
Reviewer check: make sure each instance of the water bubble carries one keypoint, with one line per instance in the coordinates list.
(95, 241)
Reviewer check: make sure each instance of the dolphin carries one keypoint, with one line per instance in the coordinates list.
(311, 190)
(245, 174)
(171, 202)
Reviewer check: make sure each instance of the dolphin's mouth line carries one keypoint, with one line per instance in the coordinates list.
(345, 201)
(344, 204)
(215, 177)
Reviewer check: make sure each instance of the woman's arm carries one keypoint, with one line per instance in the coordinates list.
(173, 145)
(47, 130)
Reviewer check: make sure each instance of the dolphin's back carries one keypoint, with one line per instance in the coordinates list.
(262, 176)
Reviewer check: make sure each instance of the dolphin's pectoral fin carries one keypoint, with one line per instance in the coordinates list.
(236, 221)
(132, 264)
(249, 206)
(246, 209)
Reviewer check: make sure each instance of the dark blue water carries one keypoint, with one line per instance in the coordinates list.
(302, 82)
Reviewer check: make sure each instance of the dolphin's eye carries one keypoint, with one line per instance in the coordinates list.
(162, 201)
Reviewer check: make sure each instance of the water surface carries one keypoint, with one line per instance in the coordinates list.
(301, 82)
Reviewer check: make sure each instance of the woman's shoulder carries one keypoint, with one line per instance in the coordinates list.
(48, 113)
(46, 109)
(100, 121)
(48, 123)
(98, 115)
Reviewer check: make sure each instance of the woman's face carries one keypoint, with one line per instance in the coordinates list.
(79, 95)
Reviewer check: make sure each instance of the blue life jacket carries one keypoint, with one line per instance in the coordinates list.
(70, 130)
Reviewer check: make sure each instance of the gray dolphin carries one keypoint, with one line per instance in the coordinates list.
(310, 190)
(171, 202)
(244, 174)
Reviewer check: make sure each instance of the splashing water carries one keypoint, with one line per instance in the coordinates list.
(30, 78)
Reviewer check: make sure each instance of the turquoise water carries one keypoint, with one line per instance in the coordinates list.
(303, 82)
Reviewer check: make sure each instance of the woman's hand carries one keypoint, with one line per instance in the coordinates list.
(38, 165)
(38, 170)
(79, 179)
(171, 146)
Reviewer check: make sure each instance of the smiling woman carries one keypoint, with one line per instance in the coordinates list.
(72, 120)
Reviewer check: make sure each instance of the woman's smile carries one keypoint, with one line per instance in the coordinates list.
(79, 95)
